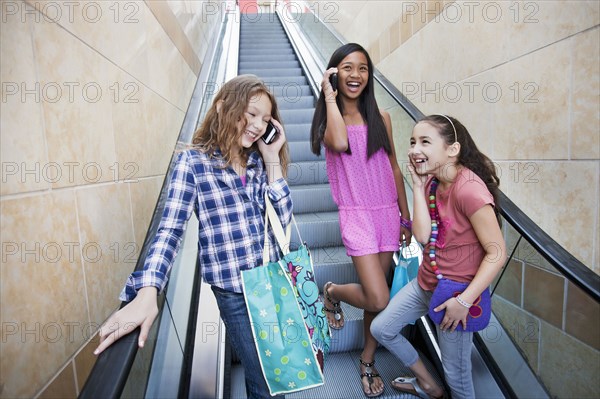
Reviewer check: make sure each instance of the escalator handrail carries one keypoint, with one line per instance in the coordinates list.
(562, 260)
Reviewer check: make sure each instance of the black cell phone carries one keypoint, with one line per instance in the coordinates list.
(270, 133)
(333, 79)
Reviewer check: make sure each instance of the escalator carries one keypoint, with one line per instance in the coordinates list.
(203, 362)
(266, 51)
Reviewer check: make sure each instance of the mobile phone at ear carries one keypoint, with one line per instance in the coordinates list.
(270, 133)
(333, 79)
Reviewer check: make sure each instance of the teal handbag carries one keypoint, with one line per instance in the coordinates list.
(289, 324)
(406, 268)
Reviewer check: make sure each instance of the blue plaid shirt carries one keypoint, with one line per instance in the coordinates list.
(231, 221)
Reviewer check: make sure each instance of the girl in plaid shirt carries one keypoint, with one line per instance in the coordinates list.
(223, 178)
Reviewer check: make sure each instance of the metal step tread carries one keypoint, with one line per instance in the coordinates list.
(342, 377)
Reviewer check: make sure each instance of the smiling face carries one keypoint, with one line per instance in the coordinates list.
(353, 74)
(257, 115)
(429, 153)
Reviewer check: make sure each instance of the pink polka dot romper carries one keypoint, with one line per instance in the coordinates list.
(365, 193)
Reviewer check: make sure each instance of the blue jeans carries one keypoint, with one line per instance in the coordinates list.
(239, 331)
(409, 304)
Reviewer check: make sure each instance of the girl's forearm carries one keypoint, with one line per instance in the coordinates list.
(488, 270)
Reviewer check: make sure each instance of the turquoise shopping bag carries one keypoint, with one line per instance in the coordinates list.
(406, 268)
(288, 321)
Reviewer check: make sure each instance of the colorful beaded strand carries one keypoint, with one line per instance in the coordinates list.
(434, 215)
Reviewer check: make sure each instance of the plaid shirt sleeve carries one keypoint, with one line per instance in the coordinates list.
(279, 194)
(179, 206)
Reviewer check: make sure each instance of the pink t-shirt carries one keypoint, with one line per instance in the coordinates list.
(461, 252)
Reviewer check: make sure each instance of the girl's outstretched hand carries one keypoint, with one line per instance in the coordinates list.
(140, 312)
(328, 91)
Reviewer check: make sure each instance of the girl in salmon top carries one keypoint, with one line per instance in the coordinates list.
(455, 189)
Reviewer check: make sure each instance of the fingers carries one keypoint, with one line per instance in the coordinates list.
(145, 330)
(111, 331)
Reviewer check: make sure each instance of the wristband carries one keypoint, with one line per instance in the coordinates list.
(405, 223)
(462, 302)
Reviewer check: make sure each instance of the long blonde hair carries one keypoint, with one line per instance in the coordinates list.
(220, 129)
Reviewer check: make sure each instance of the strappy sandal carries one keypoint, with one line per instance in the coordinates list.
(417, 390)
(370, 375)
(338, 313)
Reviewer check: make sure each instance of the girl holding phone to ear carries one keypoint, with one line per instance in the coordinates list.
(223, 178)
(368, 187)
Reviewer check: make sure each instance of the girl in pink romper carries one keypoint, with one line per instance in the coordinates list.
(368, 187)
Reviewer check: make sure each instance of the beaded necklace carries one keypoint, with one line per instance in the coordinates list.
(435, 217)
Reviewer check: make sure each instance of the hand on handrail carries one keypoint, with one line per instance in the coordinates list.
(142, 311)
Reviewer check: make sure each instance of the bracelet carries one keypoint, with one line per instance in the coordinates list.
(406, 223)
(462, 302)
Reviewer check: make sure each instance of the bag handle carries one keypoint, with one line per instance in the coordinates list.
(283, 237)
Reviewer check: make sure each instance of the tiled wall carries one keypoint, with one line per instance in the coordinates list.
(523, 76)
(93, 97)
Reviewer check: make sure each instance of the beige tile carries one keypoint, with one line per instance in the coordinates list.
(374, 52)
(394, 36)
(509, 286)
(42, 294)
(22, 143)
(164, 123)
(78, 123)
(543, 295)
(418, 18)
(578, 365)
(62, 387)
(585, 121)
(533, 25)
(582, 317)
(479, 26)
(101, 24)
(85, 360)
(106, 231)
(438, 42)
(405, 28)
(407, 58)
(144, 195)
(523, 328)
(133, 138)
(384, 44)
(534, 97)
(458, 99)
(538, 188)
(173, 27)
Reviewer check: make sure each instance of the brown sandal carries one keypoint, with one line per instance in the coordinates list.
(370, 375)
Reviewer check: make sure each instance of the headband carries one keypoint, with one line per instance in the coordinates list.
(453, 128)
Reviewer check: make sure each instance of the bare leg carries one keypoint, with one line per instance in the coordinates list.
(372, 295)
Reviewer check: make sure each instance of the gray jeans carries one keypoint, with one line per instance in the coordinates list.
(409, 304)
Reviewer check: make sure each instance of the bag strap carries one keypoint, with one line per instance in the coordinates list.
(283, 237)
